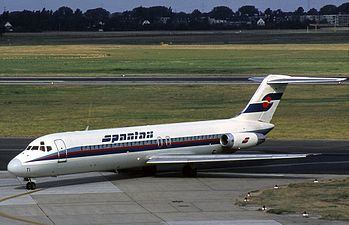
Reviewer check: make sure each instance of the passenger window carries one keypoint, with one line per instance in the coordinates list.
(35, 148)
(42, 148)
(48, 148)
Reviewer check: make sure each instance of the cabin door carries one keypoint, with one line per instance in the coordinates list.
(61, 150)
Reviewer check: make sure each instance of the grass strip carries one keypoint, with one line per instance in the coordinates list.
(328, 199)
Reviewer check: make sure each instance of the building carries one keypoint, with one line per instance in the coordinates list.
(339, 20)
(215, 21)
(145, 22)
(261, 22)
(8, 26)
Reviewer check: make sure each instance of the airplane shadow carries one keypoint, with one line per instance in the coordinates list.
(87, 178)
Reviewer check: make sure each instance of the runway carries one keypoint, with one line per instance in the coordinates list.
(129, 80)
(168, 197)
(123, 80)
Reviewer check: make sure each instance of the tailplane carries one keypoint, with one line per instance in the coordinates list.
(264, 102)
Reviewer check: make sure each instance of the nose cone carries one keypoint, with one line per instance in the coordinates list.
(15, 167)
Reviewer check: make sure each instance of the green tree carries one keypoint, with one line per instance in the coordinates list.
(344, 8)
(248, 10)
(328, 10)
(62, 18)
(312, 11)
(299, 11)
(96, 17)
(221, 13)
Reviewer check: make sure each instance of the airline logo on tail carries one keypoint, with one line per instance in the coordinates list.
(265, 105)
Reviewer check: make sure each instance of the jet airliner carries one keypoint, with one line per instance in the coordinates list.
(148, 146)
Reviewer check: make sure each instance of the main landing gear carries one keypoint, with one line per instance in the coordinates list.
(30, 185)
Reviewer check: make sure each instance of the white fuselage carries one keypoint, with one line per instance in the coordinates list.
(122, 148)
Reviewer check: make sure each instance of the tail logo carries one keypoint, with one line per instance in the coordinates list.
(266, 102)
(264, 105)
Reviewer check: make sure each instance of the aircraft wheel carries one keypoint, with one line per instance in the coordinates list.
(31, 186)
(189, 171)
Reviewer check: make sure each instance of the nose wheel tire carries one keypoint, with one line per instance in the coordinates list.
(31, 186)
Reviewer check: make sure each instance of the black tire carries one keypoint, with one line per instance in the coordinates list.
(29, 186)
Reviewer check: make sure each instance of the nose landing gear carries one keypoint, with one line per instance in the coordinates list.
(30, 185)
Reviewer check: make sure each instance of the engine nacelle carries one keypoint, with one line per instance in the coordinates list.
(238, 141)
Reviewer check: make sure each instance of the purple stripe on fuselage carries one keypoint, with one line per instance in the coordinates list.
(77, 152)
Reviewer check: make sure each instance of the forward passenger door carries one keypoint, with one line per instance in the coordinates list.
(61, 150)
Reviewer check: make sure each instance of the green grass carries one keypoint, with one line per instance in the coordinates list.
(115, 60)
(311, 112)
(327, 199)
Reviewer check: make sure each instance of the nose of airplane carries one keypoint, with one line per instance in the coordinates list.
(15, 167)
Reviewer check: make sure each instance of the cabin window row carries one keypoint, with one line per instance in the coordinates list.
(141, 143)
(116, 145)
(195, 138)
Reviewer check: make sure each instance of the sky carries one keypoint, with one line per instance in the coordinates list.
(176, 5)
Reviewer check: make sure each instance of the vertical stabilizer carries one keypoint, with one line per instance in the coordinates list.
(265, 100)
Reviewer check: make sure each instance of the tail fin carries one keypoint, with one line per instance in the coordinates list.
(267, 97)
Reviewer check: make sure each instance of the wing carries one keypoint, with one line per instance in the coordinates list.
(180, 159)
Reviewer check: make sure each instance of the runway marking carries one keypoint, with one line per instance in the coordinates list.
(15, 196)
(18, 218)
(86, 183)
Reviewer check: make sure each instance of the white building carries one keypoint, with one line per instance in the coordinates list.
(146, 22)
(8, 26)
(340, 20)
(261, 22)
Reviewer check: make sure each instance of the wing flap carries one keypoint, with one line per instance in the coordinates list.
(180, 159)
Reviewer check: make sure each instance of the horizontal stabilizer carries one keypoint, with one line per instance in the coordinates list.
(298, 80)
(180, 159)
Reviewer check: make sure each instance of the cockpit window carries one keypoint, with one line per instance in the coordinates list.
(35, 148)
(48, 148)
(28, 148)
(42, 148)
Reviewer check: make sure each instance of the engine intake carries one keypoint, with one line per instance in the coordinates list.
(238, 141)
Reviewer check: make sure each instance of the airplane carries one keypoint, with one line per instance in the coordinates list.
(146, 147)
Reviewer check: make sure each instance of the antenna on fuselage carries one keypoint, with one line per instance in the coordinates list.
(89, 115)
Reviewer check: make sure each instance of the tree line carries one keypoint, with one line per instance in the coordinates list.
(159, 18)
